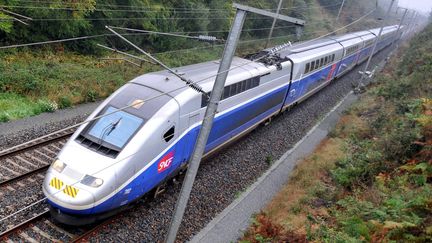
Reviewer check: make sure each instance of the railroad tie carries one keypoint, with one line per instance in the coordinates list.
(20, 184)
(54, 146)
(60, 230)
(11, 171)
(28, 238)
(44, 234)
(43, 155)
(17, 165)
(49, 150)
(37, 159)
(26, 161)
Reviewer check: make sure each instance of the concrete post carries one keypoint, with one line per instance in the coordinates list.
(273, 24)
(400, 25)
(384, 21)
(340, 11)
(215, 96)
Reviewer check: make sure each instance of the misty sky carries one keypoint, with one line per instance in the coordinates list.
(420, 5)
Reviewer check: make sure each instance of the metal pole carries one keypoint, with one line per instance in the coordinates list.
(273, 24)
(340, 11)
(199, 148)
(412, 27)
(361, 85)
(411, 22)
(400, 25)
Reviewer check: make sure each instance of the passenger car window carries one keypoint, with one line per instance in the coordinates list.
(307, 68)
(226, 92)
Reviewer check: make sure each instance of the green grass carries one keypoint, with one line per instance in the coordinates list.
(13, 106)
(35, 82)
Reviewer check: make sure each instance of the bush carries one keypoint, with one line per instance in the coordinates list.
(47, 106)
(361, 165)
(4, 117)
(65, 102)
(92, 96)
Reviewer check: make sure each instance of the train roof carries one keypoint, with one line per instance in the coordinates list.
(205, 73)
(308, 45)
(362, 33)
(345, 37)
(386, 30)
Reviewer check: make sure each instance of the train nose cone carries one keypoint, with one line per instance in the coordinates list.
(67, 192)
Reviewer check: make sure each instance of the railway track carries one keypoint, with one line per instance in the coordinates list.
(21, 174)
(22, 170)
(41, 228)
(30, 158)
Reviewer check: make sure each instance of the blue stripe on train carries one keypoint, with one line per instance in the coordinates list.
(223, 124)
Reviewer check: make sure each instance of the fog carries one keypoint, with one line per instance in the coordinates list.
(423, 6)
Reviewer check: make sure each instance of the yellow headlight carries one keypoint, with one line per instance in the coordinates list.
(58, 166)
(92, 181)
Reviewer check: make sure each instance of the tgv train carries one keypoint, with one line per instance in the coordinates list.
(113, 161)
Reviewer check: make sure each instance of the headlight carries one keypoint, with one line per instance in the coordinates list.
(58, 166)
(92, 181)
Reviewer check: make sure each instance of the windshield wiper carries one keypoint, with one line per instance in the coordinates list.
(108, 130)
(114, 126)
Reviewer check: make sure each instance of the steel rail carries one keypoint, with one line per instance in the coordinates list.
(25, 147)
(16, 228)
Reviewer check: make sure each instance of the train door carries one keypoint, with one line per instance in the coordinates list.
(188, 141)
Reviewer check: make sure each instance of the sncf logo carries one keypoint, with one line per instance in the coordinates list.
(333, 69)
(166, 162)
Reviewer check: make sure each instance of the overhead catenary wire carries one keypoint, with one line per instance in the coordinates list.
(90, 10)
(200, 37)
(107, 35)
(143, 9)
(191, 84)
(120, 18)
(122, 6)
(124, 18)
(146, 100)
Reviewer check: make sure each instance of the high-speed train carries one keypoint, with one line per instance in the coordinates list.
(114, 160)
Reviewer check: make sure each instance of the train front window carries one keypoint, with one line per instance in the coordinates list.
(114, 130)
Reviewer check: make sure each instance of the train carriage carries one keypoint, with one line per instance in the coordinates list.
(149, 126)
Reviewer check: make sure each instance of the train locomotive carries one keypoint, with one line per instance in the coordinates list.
(112, 161)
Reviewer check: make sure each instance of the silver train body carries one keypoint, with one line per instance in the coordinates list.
(113, 161)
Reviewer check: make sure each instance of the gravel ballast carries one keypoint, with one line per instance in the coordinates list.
(221, 178)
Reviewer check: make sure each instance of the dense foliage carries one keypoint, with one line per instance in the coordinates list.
(57, 19)
(379, 189)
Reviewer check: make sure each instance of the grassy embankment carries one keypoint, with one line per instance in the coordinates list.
(370, 180)
(40, 81)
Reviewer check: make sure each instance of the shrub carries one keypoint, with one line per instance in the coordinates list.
(361, 165)
(47, 106)
(4, 117)
(65, 102)
(92, 96)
